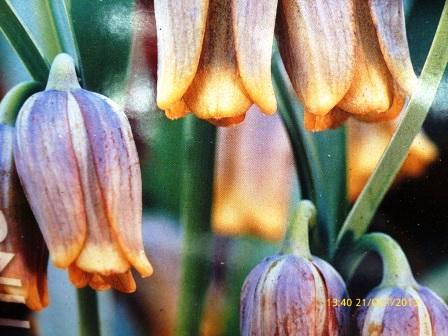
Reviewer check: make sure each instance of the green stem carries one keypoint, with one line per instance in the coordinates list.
(14, 99)
(89, 321)
(196, 201)
(304, 150)
(396, 269)
(22, 42)
(297, 236)
(366, 205)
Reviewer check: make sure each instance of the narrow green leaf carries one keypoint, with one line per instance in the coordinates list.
(14, 99)
(20, 39)
(64, 28)
(103, 32)
(365, 207)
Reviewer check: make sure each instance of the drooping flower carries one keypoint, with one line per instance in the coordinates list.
(398, 305)
(253, 179)
(346, 58)
(215, 58)
(413, 311)
(366, 144)
(77, 161)
(23, 255)
(289, 294)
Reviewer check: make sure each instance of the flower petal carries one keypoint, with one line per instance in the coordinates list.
(180, 33)
(253, 28)
(118, 172)
(388, 18)
(123, 282)
(177, 110)
(332, 120)
(398, 103)
(48, 169)
(217, 90)
(317, 44)
(78, 277)
(99, 283)
(372, 88)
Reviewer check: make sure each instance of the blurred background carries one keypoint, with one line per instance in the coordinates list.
(255, 184)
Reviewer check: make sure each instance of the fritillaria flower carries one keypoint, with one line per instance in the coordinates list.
(410, 311)
(253, 178)
(215, 58)
(23, 255)
(77, 161)
(366, 144)
(346, 57)
(288, 294)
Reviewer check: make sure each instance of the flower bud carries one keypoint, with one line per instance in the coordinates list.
(412, 311)
(23, 255)
(290, 295)
(78, 164)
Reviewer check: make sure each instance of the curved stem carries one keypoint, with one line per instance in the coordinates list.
(14, 99)
(396, 269)
(196, 202)
(62, 74)
(297, 236)
(367, 203)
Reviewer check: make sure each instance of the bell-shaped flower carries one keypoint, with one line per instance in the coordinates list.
(23, 255)
(77, 161)
(253, 179)
(366, 144)
(215, 58)
(346, 58)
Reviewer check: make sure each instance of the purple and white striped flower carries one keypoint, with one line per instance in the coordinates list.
(289, 295)
(410, 311)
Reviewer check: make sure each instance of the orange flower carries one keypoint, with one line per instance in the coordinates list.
(215, 58)
(78, 164)
(23, 255)
(366, 144)
(346, 57)
(253, 178)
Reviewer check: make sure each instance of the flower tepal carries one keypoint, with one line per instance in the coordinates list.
(78, 164)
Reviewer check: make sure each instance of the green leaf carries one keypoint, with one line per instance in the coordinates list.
(64, 28)
(366, 205)
(14, 99)
(103, 32)
(20, 39)
(331, 147)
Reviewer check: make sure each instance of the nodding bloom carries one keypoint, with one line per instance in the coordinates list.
(23, 255)
(366, 144)
(413, 311)
(346, 58)
(398, 305)
(215, 58)
(290, 293)
(253, 178)
(77, 161)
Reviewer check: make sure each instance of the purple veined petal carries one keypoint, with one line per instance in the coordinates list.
(118, 172)
(253, 29)
(180, 34)
(317, 44)
(389, 21)
(438, 311)
(48, 170)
